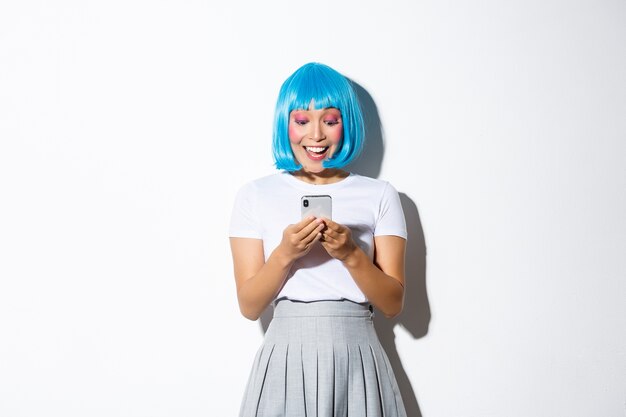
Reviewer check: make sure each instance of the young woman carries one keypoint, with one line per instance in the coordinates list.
(321, 356)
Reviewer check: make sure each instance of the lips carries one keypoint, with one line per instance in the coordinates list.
(316, 153)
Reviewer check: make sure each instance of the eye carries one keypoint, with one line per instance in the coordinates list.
(300, 122)
(332, 122)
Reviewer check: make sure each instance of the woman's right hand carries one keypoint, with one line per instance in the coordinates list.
(259, 280)
(299, 238)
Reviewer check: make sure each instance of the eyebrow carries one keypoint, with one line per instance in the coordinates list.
(324, 109)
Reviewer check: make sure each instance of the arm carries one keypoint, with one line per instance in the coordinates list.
(258, 282)
(382, 281)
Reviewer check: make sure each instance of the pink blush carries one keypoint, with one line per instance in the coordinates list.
(293, 136)
(336, 135)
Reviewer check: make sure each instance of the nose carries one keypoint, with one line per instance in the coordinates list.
(316, 132)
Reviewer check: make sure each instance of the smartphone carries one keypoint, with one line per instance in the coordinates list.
(316, 205)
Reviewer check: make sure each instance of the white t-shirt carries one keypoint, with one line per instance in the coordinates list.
(369, 207)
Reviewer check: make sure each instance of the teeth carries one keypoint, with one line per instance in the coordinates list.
(316, 149)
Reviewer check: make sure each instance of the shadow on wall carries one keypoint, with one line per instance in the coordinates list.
(415, 317)
(371, 159)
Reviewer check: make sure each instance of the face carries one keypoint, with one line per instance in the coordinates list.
(315, 136)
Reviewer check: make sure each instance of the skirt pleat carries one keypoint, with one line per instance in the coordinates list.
(295, 402)
(325, 381)
(309, 373)
(394, 384)
(275, 384)
(357, 392)
(373, 403)
(256, 382)
(386, 392)
(341, 360)
(321, 359)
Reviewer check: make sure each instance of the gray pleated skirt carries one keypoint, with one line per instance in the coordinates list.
(321, 359)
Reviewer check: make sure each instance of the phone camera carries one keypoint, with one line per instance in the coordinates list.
(305, 203)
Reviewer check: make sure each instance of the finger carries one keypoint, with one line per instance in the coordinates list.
(316, 236)
(312, 228)
(331, 234)
(331, 224)
(328, 239)
(329, 246)
(300, 229)
(303, 223)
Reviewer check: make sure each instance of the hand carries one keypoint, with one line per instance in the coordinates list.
(299, 238)
(337, 240)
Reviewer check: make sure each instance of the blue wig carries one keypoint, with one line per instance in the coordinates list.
(327, 88)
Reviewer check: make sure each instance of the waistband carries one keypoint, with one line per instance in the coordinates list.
(334, 308)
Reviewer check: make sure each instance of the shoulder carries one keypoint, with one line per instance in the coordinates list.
(366, 181)
(269, 179)
(262, 183)
(374, 185)
(387, 206)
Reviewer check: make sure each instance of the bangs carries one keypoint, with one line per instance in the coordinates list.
(318, 86)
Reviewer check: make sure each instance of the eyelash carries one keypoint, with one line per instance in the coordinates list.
(328, 122)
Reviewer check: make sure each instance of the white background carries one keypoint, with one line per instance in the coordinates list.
(126, 127)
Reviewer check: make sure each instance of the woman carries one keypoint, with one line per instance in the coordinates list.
(321, 356)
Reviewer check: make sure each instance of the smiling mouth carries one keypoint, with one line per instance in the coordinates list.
(316, 152)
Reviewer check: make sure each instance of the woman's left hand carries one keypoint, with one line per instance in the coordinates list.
(337, 240)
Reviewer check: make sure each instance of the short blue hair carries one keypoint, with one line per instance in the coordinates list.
(327, 88)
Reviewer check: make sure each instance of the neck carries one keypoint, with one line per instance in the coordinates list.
(327, 176)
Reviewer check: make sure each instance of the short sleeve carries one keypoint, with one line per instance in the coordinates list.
(244, 219)
(390, 215)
